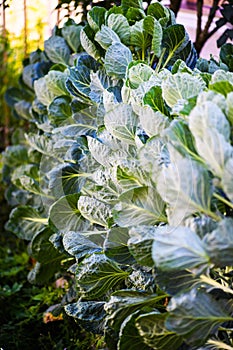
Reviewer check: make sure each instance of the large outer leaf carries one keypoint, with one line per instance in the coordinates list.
(71, 33)
(129, 337)
(195, 315)
(185, 185)
(25, 221)
(173, 282)
(152, 122)
(106, 37)
(174, 40)
(145, 208)
(95, 211)
(154, 28)
(181, 86)
(138, 72)
(211, 131)
(140, 244)
(60, 110)
(119, 24)
(179, 135)
(57, 50)
(219, 243)
(55, 82)
(97, 274)
(117, 59)
(79, 79)
(96, 17)
(178, 248)
(78, 245)
(65, 179)
(64, 215)
(122, 122)
(87, 38)
(115, 246)
(152, 329)
(43, 94)
(139, 37)
(48, 257)
(89, 314)
(124, 302)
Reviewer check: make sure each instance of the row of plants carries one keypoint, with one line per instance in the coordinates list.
(123, 181)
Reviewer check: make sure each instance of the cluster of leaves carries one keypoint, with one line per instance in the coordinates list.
(23, 307)
(125, 179)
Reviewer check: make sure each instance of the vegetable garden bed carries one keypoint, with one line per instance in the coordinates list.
(123, 181)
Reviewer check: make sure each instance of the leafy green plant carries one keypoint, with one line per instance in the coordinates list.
(125, 180)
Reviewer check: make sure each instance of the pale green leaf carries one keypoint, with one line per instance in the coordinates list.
(122, 122)
(117, 59)
(178, 248)
(119, 24)
(95, 211)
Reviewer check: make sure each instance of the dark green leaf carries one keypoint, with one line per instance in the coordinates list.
(89, 314)
(71, 33)
(79, 80)
(129, 337)
(174, 281)
(15, 155)
(139, 37)
(140, 244)
(78, 245)
(124, 302)
(195, 315)
(97, 274)
(65, 179)
(25, 221)
(154, 333)
(179, 135)
(154, 99)
(178, 248)
(174, 40)
(96, 17)
(127, 4)
(57, 50)
(64, 215)
(87, 40)
(159, 12)
(219, 243)
(115, 246)
(48, 258)
(119, 24)
(60, 110)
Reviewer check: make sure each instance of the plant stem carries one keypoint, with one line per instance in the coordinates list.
(160, 60)
(224, 200)
(212, 215)
(152, 59)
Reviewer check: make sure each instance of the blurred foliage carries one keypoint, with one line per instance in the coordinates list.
(24, 320)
